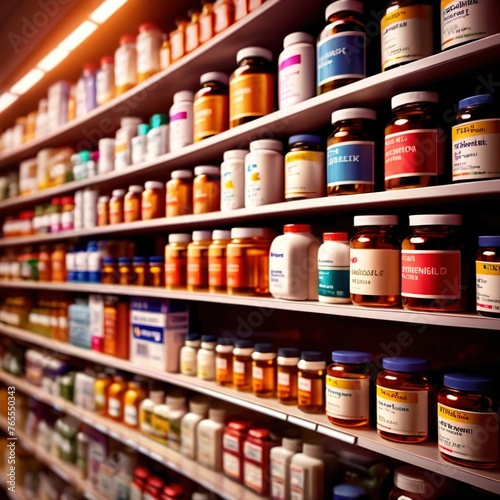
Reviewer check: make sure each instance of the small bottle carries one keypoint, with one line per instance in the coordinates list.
(348, 389)
(132, 399)
(403, 397)
(217, 278)
(232, 448)
(153, 488)
(146, 409)
(242, 365)
(351, 152)
(159, 422)
(165, 53)
(375, 243)
(139, 266)
(126, 64)
(125, 271)
(281, 457)
(210, 439)
(207, 21)
(224, 15)
(287, 364)
(193, 31)
(155, 275)
(188, 354)
(132, 204)
(173, 491)
(178, 40)
(138, 486)
(101, 386)
(251, 86)
(176, 261)
(206, 189)
(233, 180)
(123, 141)
(264, 370)
(197, 261)
(205, 357)
(488, 276)
(420, 162)
(114, 395)
(198, 411)
(105, 83)
(307, 472)
(181, 120)
(110, 273)
(152, 205)
(341, 46)
(240, 9)
(94, 262)
(149, 43)
(176, 411)
(224, 361)
(106, 155)
(67, 213)
(44, 267)
(158, 136)
(179, 193)
(311, 382)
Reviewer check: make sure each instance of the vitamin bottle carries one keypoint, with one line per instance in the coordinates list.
(149, 42)
(403, 390)
(217, 281)
(68, 213)
(139, 266)
(178, 40)
(264, 371)
(188, 354)
(116, 206)
(420, 161)
(181, 120)
(406, 33)
(251, 86)
(248, 261)
(348, 389)
(375, 253)
(287, 364)
(114, 395)
(211, 105)
(351, 152)
(264, 173)
(176, 261)
(153, 197)
(105, 82)
(193, 31)
(132, 399)
(205, 357)
(233, 440)
(138, 486)
(198, 411)
(159, 422)
(210, 439)
(197, 261)
(476, 140)
(165, 53)
(179, 193)
(466, 402)
(281, 456)
(58, 263)
(224, 361)
(340, 49)
(156, 272)
(44, 264)
(206, 189)
(125, 271)
(123, 141)
(233, 180)
(126, 64)
(132, 204)
(158, 136)
(432, 277)
(154, 486)
(311, 382)
(224, 14)
(207, 21)
(307, 472)
(176, 410)
(296, 67)
(242, 365)
(106, 155)
(146, 409)
(488, 276)
(110, 273)
(240, 9)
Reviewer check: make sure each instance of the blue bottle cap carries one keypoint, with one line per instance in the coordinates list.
(139, 260)
(402, 364)
(225, 341)
(263, 347)
(209, 338)
(311, 356)
(351, 357)
(156, 260)
(243, 343)
(123, 260)
(489, 241)
(109, 260)
(288, 352)
(476, 100)
(470, 383)
(349, 492)
(159, 119)
(192, 336)
(143, 128)
(315, 139)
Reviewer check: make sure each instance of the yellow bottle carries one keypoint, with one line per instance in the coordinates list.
(146, 409)
(133, 397)
(104, 380)
(115, 394)
(197, 261)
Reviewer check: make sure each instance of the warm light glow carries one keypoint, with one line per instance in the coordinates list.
(30, 79)
(78, 36)
(6, 100)
(52, 59)
(106, 10)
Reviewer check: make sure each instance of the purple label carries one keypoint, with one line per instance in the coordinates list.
(290, 61)
(181, 115)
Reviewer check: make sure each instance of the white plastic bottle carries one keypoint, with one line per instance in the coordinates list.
(307, 471)
(181, 120)
(176, 410)
(123, 141)
(158, 136)
(293, 271)
(146, 409)
(90, 208)
(296, 69)
(232, 171)
(94, 258)
(206, 357)
(188, 359)
(140, 143)
(210, 439)
(333, 269)
(281, 457)
(106, 155)
(198, 411)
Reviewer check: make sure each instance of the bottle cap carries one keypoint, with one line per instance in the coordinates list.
(153, 185)
(136, 189)
(179, 238)
(375, 220)
(159, 119)
(108, 260)
(198, 405)
(217, 414)
(288, 352)
(143, 128)
(202, 236)
(173, 490)
(124, 260)
(263, 347)
(105, 60)
(207, 170)
(236, 154)
(297, 228)
(175, 402)
(209, 338)
(221, 234)
(311, 356)
(156, 482)
(157, 396)
(271, 144)
(476, 100)
(130, 121)
(312, 450)
(292, 444)
(214, 76)
(351, 357)
(126, 39)
(470, 383)
(404, 364)
(411, 97)
(225, 341)
(248, 232)
(192, 337)
(141, 472)
(148, 27)
(314, 139)
(139, 260)
(436, 220)
(243, 343)
(181, 174)
(412, 479)
(335, 237)
(251, 52)
(349, 492)
(156, 260)
(183, 96)
(297, 37)
(489, 241)
(118, 193)
(343, 5)
(353, 114)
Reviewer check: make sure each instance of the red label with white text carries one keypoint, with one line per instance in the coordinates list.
(431, 274)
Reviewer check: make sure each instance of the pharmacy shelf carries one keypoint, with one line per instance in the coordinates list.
(67, 472)
(458, 320)
(214, 481)
(425, 455)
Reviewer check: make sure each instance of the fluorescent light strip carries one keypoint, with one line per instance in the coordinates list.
(52, 59)
(30, 79)
(6, 99)
(106, 10)
(78, 36)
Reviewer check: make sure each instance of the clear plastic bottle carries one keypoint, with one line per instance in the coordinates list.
(126, 64)
(217, 262)
(205, 357)
(179, 193)
(242, 365)
(311, 382)
(188, 354)
(176, 261)
(264, 370)
(197, 261)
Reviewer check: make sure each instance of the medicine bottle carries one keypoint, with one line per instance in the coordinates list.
(44, 267)
(116, 203)
(110, 273)
(341, 46)
(155, 275)
(181, 120)
(205, 357)
(217, 278)
(304, 167)
(403, 397)
(251, 86)
(240, 9)
(406, 33)
(146, 409)
(248, 261)
(468, 421)
(210, 439)
(233, 180)
(132, 204)
(311, 382)
(207, 21)
(488, 276)
(242, 365)
(132, 399)
(126, 64)
(153, 488)
(432, 271)
(106, 155)
(67, 213)
(177, 39)
(165, 53)
(101, 386)
(176, 260)
(105, 80)
(153, 198)
(280, 457)
(414, 142)
(211, 105)
(58, 263)
(158, 136)
(206, 189)
(233, 441)
(264, 173)
(114, 395)
(149, 43)
(348, 388)
(176, 410)
(375, 253)
(139, 271)
(224, 14)
(351, 152)
(173, 491)
(179, 193)
(197, 261)
(188, 354)
(287, 365)
(125, 271)
(476, 140)
(307, 472)
(123, 141)
(264, 370)
(193, 31)
(224, 361)
(198, 411)
(296, 68)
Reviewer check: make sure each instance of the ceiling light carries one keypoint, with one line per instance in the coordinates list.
(78, 36)
(6, 99)
(52, 59)
(106, 10)
(30, 79)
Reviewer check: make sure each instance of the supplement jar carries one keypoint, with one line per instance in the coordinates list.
(233, 180)
(180, 193)
(125, 271)
(156, 272)
(149, 43)
(348, 388)
(264, 370)
(488, 276)
(206, 189)
(176, 261)
(476, 140)
(403, 395)
(105, 80)
(206, 357)
(351, 152)
(232, 448)
(341, 46)
(140, 143)
(264, 173)
(217, 278)
(288, 360)
(414, 142)
(406, 33)
(468, 421)
(181, 120)
(251, 86)
(242, 365)
(116, 206)
(110, 273)
(311, 382)
(432, 264)
(197, 261)
(103, 211)
(224, 361)
(126, 64)
(158, 136)
(304, 167)
(139, 267)
(132, 204)
(375, 254)
(153, 197)
(188, 354)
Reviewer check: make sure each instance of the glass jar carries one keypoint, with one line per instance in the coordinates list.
(224, 362)
(139, 266)
(197, 261)
(488, 276)
(217, 262)
(287, 361)
(110, 273)
(132, 204)
(264, 370)
(156, 272)
(126, 64)
(125, 271)
(311, 382)
(242, 365)
(149, 43)
(116, 206)
(176, 261)
(206, 189)
(103, 211)
(153, 197)
(179, 193)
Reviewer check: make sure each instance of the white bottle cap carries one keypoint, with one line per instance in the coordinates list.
(436, 220)
(198, 406)
(179, 238)
(153, 185)
(291, 444)
(253, 52)
(313, 450)
(271, 144)
(202, 235)
(235, 154)
(181, 174)
(106, 142)
(176, 402)
(412, 479)
(343, 5)
(221, 234)
(118, 193)
(375, 220)
(214, 76)
(353, 114)
(410, 97)
(248, 232)
(157, 397)
(298, 37)
(130, 121)
(183, 96)
(207, 170)
(103, 199)
(217, 414)
(136, 189)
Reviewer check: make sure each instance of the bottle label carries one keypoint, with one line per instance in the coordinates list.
(298, 482)
(253, 477)
(217, 271)
(130, 415)
(221, 363)
(231, 465)
(304, 174)
(206, 449)
(161, 426)
(406, 35)
(239, 377)
(296, 83)
(230, 443)
(476, 148)
(351, 162)
(188, 361)
(251, 95)
(431, 274)
(414, 152)
(347, 398)
(114, 408)
(284, 389)
(341, 56)
(197, 271)
(488, 286)
(468, 435)
(210, 116)
(148, 54)
(310, 391)
(174, 434)
(175, 271)
(375, 272)
(278, 478)
(402, 412)
(257, 373)
(235, 274)
(252, 452)
(333, 281)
